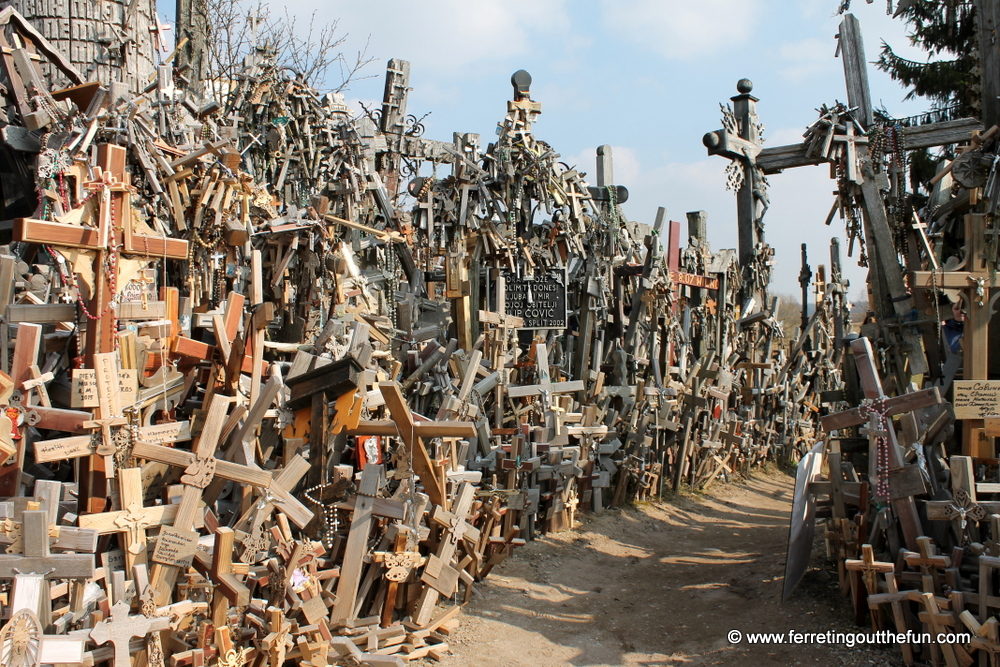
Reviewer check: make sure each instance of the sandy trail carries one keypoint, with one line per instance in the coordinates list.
(661, 584)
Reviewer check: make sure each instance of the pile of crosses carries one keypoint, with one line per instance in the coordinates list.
(904, 473)
(271, 396)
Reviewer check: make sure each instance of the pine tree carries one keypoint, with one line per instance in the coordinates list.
(944, 29)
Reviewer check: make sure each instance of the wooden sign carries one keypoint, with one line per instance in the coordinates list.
(84, 389)
(976, 399)
(72, 447)
(540, 299)
(161, 434)
(175, 547)
(114, 560)
(694, 280)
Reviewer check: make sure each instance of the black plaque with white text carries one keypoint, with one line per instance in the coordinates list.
(540, 299)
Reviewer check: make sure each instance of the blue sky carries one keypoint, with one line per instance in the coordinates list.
(646, 77)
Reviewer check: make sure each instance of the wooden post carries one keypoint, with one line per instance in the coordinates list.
(988, 23)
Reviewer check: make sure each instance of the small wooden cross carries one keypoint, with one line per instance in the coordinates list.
(500, 548)
(119, 630)
(851, 142)
(399, 564)
(867, 569)
(928, 561)
(986, 637)
(895, 598)
(278, 640)
(965, 511)
(545, 386)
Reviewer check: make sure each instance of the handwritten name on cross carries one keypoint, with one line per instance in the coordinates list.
(108, 413)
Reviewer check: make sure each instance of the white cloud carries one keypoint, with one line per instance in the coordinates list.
(679, 29)
(445, 35)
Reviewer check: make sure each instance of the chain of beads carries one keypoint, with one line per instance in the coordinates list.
(879, 410)
(331, 519)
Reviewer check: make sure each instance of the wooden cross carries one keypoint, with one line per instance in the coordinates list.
(964, 511)
(113, 196)
(740, 141)
(904, 507)
(928, 561)
(439, 576)
(37, 557)
(867, 569)
(120, 630)
(545, 386)
(986, 637)
(158, 29)
(975, 282)
(851, 142)
(501, 547)
(399, 564)
(132, 520)
(229, 589)
(357, 544)
(201, 467)
(413, 432)
(895, 598)
(278, 640)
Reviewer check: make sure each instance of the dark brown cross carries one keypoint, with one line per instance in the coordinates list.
(500, 548)
(928, 561)
(904, 507)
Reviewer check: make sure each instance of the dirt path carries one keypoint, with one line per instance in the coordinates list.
(662, 584)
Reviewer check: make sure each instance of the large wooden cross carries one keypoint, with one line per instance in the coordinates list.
(975, 280)
(880, 410)
(114, 224)
(405, 425)
(200, 467)
(439, 576)
(357, 545)
(132, 520)
(776, 159)
(743, 143)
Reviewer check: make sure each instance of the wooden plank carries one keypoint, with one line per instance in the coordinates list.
(357, 545)
(976, 399)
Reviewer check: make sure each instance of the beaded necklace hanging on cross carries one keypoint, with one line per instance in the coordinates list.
(877, 408)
